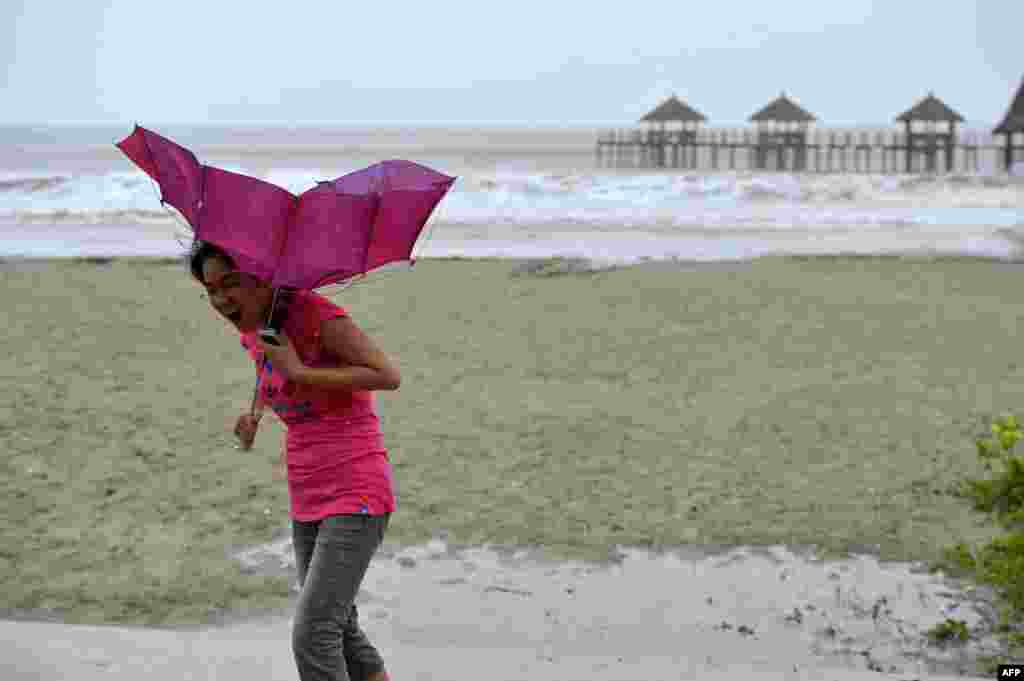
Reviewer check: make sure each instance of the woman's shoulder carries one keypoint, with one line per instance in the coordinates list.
(306, 317)
(323, 308)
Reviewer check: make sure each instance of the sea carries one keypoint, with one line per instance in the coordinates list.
(521, 192)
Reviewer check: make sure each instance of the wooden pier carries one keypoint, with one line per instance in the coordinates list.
(673, 136)
(821, 151)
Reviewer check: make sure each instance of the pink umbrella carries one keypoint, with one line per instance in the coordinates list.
(329, 234)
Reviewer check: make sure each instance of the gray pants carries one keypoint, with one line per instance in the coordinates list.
(332, 556)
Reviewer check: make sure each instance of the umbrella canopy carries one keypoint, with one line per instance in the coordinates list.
(329, 234)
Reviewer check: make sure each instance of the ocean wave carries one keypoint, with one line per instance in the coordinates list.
(32, 184)
(961, 190)
(115, 216)
(585, 198)
(651, 218)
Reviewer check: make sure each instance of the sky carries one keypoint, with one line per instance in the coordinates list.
(529, 62)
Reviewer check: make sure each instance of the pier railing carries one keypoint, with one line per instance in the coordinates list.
(816, 150)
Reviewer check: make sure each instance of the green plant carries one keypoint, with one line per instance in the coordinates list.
(944, 631)
(958, 557)
(1001, 562)
(1004, 494)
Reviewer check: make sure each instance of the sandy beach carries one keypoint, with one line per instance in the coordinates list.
(685, 409)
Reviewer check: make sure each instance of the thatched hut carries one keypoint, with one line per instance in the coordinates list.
(672, 124)
(1013, 124)
(782, 125)
(674, 110)
(930, 126)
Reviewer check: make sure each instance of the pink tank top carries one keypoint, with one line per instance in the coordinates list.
(337, 462)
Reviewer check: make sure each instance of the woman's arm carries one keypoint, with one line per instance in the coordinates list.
(348, 378)
(368, 367)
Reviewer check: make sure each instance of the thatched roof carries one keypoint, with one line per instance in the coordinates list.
(674, 109)
(1014, 119)
(783, 110)
(932, 109)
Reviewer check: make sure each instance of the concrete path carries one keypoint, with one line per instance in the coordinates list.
(439, 613)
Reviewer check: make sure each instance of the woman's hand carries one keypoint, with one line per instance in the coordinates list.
(283, 358)
(245, 430)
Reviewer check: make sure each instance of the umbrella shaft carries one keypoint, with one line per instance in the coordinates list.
(279, 308)
(275, 320)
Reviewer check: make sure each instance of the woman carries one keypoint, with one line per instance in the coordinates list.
(319, 382)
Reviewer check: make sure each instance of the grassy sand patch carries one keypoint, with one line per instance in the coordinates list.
(828, 401)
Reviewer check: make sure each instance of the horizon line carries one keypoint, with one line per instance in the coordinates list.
(517, 125)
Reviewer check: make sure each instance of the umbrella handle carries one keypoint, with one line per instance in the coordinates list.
(253, 411)
(270, 332)
(277, 315)
(255, 396)
(268, 335)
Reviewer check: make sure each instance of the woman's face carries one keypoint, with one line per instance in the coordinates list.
(240, 298)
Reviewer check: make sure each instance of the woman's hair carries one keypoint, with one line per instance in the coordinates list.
(200, 251)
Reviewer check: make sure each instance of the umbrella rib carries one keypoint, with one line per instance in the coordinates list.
(350, 278)
(284, 241)
(280, 255)
(373, 225)
(202, 195)
(149, 152)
